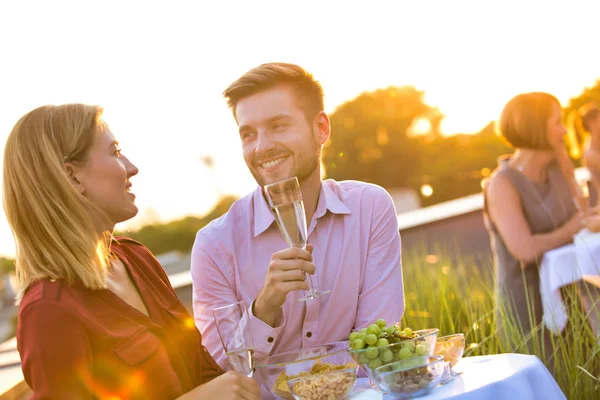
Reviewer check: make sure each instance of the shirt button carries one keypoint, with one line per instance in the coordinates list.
(308, 334)
(270, 340)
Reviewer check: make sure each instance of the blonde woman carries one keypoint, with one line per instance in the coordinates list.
(529, 207)
(97, 315)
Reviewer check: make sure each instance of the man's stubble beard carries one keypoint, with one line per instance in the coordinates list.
(304, 167)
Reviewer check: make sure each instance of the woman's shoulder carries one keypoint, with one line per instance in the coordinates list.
(51, 296)
(124, 241)
(500, 178)
(125, 245)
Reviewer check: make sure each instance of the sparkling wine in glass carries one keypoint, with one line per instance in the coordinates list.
(582, 200)
(285, 198)
(233, 326)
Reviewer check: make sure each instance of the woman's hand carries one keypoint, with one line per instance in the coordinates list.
(577, 222)
(592, 222)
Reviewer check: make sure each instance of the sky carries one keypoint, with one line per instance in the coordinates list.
(159, 69)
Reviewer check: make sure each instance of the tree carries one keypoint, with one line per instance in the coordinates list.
(7, 266)
(457, 164)
(369, 139)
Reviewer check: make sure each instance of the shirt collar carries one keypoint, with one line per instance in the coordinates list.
(328, 200)
(263, 217)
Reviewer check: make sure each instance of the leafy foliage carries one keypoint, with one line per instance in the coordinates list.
(6, 266)
(372, 140)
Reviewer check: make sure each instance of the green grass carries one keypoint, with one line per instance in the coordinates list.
(459, 297)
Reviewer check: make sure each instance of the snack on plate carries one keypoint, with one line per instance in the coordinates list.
(324, 386)
(281, 383)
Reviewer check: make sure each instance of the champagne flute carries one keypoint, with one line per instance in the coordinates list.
(233, 326)
(285, 198)
(582, 200)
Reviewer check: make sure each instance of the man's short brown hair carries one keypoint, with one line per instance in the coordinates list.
(524, 120)
(309, 92)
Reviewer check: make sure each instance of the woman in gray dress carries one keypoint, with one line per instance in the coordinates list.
(529, 209)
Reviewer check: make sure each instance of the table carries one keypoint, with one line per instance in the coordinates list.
(500, 376)
(563, 266)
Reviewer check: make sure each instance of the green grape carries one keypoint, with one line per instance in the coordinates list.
(402, 334)
(362, 336)
(374, 329)
(362, 358)
(404, 354)
(412, 363)
(371, 339)
(408, 332)
(386, 356)
(372, 353)
(382, 342)
(375, 363)
(363, 330)
(399, 367)
(357, 344)
(421, 350)
(381, 323)
(353, 336)
(391, 329)
(409, 345)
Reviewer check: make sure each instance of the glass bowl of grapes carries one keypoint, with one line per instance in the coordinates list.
(410, 378)
(450, 347)
(328, 366)
(380, 345)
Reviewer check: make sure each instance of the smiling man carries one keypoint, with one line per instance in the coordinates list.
(354, 249)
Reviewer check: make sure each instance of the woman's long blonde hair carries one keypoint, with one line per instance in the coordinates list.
(49, 218)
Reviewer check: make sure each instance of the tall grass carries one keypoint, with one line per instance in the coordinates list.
(458, 296)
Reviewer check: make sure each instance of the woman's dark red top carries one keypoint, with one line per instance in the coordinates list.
(77, 343)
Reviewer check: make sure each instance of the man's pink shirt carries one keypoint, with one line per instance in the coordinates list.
(354, 232)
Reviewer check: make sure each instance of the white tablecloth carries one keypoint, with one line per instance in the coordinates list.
(563, 266)
(501, 376)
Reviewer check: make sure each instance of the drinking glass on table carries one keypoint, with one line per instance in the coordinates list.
(582, 200)
(285, 199)
(233, 326)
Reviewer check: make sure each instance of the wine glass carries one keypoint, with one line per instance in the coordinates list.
(582, 200)
(285, 198)
(233, 326)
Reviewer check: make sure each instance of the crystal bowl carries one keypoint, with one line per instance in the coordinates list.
(275, 372)
(450, 347)
(374, 357)
(410, 378)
